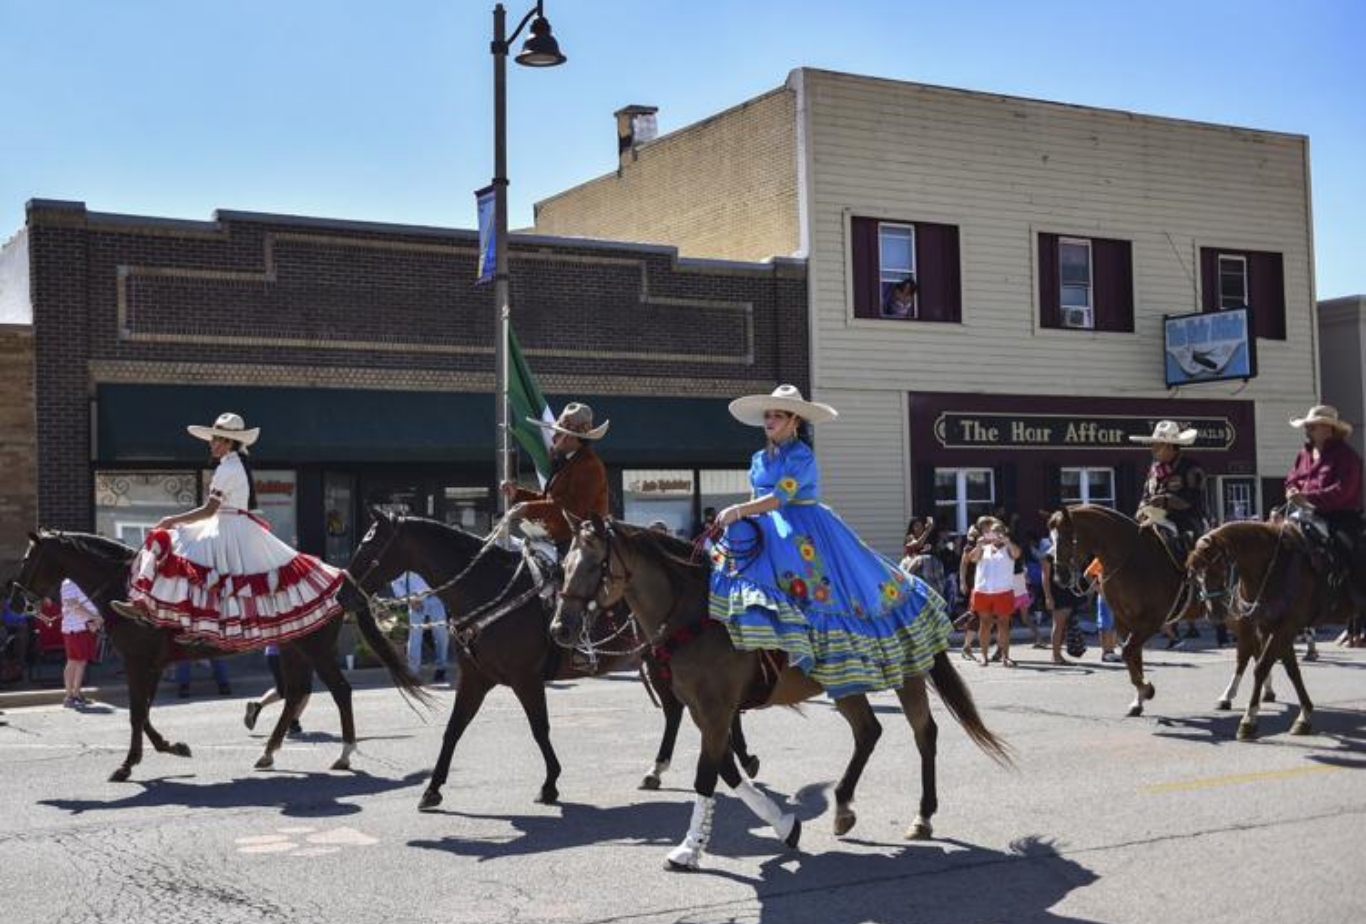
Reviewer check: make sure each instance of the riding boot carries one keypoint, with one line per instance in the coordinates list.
(767, 810)
(688, 855)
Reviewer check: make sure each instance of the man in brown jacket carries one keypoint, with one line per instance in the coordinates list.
(578, 480)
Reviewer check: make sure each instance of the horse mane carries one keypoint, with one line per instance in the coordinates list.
(446, 532)
(662, 547)
(102, 547)
(1105, 513)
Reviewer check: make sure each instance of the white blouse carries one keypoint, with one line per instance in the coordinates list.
(229, 485)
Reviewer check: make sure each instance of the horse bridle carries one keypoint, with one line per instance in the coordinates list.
(589, 601)
(33, 601)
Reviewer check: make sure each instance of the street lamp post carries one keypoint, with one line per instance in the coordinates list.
(540, 50)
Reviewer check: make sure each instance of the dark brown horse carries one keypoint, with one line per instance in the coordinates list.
(99, 567)
(667, 592)
(1143, 584)
(1262, 575)
(484, 584)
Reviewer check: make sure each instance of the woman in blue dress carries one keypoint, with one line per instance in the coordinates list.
(789, 575)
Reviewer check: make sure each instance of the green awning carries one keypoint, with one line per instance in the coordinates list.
(146, 423)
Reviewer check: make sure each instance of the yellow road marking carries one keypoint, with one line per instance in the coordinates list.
(1233, 778)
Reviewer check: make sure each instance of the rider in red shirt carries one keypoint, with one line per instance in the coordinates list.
(1327, 477)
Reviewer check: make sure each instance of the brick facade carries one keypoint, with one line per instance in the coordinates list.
(724, 187)
(18, 445)
(252, 299)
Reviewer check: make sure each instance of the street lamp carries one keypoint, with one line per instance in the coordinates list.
(539, 50)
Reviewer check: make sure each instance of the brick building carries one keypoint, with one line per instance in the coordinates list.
(364, 351)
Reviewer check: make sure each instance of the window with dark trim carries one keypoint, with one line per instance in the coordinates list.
(1262, 286)
(1086, 283)
(885, 252)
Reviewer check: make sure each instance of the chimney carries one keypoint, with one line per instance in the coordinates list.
(635, 126)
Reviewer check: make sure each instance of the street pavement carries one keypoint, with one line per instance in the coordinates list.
(1163, 818)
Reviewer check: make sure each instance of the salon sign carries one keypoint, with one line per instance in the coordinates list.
(978, 430)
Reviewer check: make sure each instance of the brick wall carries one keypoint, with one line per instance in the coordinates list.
(18, 445)
(256, 299)
(724, 187)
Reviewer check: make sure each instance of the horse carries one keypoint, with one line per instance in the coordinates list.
(667, 591)
(100, 567)
(1145, 586)
(1262, 574)
(501, 631)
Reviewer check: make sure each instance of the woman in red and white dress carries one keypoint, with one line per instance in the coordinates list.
(218, 574)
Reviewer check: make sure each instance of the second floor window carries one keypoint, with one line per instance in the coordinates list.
(886, 253)
(1232, 281)
(1086, 283)
(1255, 278)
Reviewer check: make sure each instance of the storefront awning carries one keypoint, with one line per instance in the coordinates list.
(146, 423)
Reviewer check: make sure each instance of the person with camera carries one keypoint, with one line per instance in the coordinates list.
(993, 593)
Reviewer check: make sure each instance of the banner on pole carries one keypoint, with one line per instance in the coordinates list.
(485, 202)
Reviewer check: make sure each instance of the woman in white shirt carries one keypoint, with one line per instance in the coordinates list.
(218, 574)
(993, 595)
(81, 622)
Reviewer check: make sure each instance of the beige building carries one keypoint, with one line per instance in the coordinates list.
(1342, 350)
(1048, 241)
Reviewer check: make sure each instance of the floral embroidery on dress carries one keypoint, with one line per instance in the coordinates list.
(787, 487)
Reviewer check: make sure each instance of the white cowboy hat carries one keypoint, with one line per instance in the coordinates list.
(1169, 432)
(1323, 414)
(575, 420)
(230, 426)
(750, 409)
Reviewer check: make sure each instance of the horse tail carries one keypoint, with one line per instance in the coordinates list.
(408, 684)
(948, 683)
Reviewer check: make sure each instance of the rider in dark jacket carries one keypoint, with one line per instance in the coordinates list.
(1174, 489)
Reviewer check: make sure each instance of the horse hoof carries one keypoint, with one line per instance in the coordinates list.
(264, 763)
(1269, 696)
(845, 818)
(683, 860)
(1135, 710)
(549, 795)
(341, 764)
(180, 749)
(121, 775)
(1149, 691)
(1223, 705)
(1247, 731)
(752, 767)
(430, 800)
(795, 835)
(1302, 727)
(920, 830)
(650, 782)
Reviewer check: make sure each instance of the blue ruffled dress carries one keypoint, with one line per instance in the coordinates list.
(797, 579)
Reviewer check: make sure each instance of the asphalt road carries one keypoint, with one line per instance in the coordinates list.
(1163, 818)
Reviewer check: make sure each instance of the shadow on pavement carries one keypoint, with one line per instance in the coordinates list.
(1342, 729)
(298, 795)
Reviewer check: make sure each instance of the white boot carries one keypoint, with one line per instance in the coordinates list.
(688, 855)
(783, 824)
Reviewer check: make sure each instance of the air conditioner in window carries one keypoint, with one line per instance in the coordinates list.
(1077, 317)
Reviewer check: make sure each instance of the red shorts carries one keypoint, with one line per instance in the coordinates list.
(80, 646)
(1001, 604)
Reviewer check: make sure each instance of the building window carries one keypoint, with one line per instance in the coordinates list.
(129, 503)
(1086, 283)
(896, 263)
(1232, 281)
(677, 497)
(1234, 278)
(961, 495)
(884, 253)
(1088, 486)
(1074, 283)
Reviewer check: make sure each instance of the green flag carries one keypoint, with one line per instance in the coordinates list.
(526, 401)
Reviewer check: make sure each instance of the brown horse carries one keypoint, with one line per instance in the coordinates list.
(667, 592)
(1263, 576)
(1143, 584)
(100, 566)
(486, 584)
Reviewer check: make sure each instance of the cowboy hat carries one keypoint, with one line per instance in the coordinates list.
(229, 426)
(750, 409)
(575, 420)
(1169, 432)
(1323, 414)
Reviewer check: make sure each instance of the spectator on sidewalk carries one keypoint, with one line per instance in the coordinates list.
(426, 613)
(15, 655)
(220, 677)
(275, 694)
(81, 624)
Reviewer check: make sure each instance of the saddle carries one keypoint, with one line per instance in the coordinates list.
(1333, 549)
(1177, 542)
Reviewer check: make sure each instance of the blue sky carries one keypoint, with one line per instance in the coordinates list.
(383, 111)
